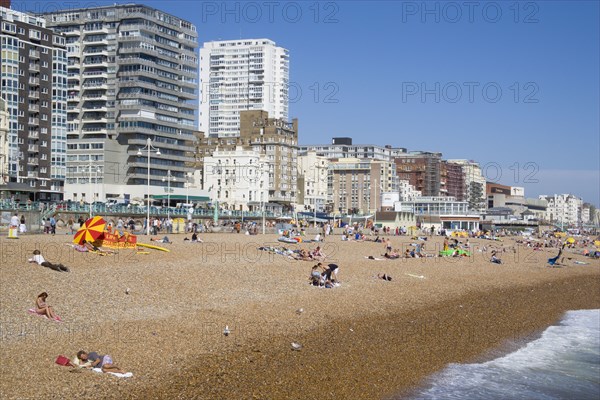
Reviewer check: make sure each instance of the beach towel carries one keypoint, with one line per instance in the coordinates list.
(32, 311)
(373, 258)
(118, 375)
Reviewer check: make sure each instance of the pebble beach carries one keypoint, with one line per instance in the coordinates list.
(161, 316)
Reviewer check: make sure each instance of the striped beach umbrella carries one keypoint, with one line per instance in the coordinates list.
(90, 231)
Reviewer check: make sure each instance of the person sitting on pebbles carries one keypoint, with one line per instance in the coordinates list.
(42, 308)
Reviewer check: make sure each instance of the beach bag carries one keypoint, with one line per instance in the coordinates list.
(62, 360)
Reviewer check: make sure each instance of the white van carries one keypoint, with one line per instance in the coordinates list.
(116, 202)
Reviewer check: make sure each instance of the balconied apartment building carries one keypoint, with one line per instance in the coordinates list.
(342, 147)
(132, 76)
(275, 139)
(34, 87)
(3, 143)
(241, 75)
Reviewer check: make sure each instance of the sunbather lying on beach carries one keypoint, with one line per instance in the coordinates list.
(93, 248)
(38, 258)
(93, 360)
(384, 277)
(163, 240)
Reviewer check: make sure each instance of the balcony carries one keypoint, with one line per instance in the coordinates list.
(33, 148)
(34, 94)
(34, 121)
(33, 135)
(34, 81)
(34, 108)
(34, 54)
(34, 67)
(32, 174)
(33, 161)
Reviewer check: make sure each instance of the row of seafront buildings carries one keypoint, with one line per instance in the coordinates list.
(86, 90)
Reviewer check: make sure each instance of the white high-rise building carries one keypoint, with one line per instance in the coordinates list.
(238, 75)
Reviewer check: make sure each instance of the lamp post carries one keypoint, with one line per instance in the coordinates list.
(168, 179)
(91, 188)
(262, 198)
(96, 191)
(150, 149)
(377, 185)
(187, 188)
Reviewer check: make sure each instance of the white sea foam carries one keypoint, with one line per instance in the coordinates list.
(564, 363)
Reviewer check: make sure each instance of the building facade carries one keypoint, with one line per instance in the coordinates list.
(422, 170)
(241, 75)
(564, 209)
(453, 181)
(356, 185)
(237, 179)
(474, 183)
(275, 139)
(132, 76)
(34, 86)
(342, 147)
(312, 182)
(3, 143)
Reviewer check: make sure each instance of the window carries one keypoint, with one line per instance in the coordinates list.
(9, 27)
(33, 34)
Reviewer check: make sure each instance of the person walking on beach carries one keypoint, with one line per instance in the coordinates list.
(53, 225)
(388, 246)
(42, 308)
(22, 226)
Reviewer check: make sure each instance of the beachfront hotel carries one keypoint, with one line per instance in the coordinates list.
(34, 90)
(237, 179)
(132, 76)
(241, 75)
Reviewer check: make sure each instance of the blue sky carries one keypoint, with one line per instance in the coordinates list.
(514, 86)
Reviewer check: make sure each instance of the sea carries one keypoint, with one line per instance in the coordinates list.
(562, 363)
